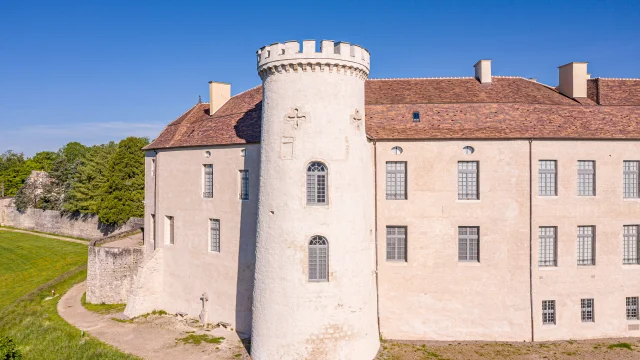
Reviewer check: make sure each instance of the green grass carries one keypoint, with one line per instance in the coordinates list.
(27, 261)
(198, 339)
(620, 346)
(102, 308)
(46, 233)
(154, 312)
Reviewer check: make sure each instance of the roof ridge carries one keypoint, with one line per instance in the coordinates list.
(451, 77)
(605, 78)
(240, 93)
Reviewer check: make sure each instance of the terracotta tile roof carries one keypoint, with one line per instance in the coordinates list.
(450, 108)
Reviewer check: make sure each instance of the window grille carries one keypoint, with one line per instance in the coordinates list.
(586, 178)
(632, 308)
(468, 243)
(549, 312)
(169, 230)
(396, 180)
(547, 178)
(467, 180)
(244, 184)
(630, 179)
(317, 184)
(586, 245)
(630, 245)
(214, 235)
(318, 259)
(397, 243)
(547, 246)
(416, 116)
(208, 181)
(586, 310)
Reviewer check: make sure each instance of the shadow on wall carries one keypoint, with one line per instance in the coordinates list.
(248, 126)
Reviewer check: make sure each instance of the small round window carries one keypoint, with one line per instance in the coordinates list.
(207, 154)
(396, 150)
(468, 150)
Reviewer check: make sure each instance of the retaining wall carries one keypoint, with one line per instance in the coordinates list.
(111, 273)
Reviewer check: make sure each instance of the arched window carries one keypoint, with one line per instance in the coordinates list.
(318, 259)
(317, 184)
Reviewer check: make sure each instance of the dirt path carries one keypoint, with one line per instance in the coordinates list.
(47, 236)
(153, 338)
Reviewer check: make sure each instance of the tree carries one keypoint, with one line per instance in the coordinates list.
(124, 191)
(42, 161)
(13, 172)
(63, 172)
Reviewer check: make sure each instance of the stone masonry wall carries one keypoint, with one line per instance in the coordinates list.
(111, 273)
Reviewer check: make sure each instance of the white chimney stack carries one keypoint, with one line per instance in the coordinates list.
(219, 93)
(573, 79)
(483, 71)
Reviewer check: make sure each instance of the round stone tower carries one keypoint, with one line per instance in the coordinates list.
(314, 294)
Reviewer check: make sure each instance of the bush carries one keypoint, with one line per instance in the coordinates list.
(8, 349)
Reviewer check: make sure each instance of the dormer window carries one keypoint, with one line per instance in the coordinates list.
(416, 116)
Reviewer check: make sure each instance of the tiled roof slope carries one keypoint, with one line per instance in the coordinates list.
(508, 108)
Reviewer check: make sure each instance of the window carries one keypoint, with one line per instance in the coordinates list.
(317, 184)
(244, 184)
(630, 245)
(468, 150)
(153, 167)
(586, 310)
(169, 234)
(632, 308)
(586, 245)
(547, 246)
(214, 235)
(468, 243)
(586, 178)
(397, 243)
(549, 312)
(416, 116)
(547, 178)
(396, 180)
(396, 150)
(318, 259)
(630, 179)
(152, 230)
(208, 181)
(467, 180)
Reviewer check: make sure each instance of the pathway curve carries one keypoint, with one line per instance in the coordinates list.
(46, 235)
(155, 339)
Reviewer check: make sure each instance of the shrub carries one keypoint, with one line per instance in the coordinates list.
(8, 349)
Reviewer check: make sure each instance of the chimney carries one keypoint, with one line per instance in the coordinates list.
(483, 71)
(573, 79)
(219, 93)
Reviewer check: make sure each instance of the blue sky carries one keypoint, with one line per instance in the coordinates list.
(94, 71)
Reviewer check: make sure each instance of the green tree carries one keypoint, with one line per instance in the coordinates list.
(13, 172)
(42, 161)
(63, 171)
(124, 192)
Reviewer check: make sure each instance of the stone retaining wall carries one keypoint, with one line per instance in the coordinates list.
(111, 273)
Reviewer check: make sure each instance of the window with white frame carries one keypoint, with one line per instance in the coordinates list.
(396, 180)
(396, 243)
(547, 178)
(214, 235)
(586, 245)
(632, 308)
(318, 259)
(630, 179)
(208, 181)
(587, 310)
(169, 233)
(468, 180)
(468, 243)
(549, 312)
(316, 184)
(547, 243)
(586, 178)
(244, 184)
(630, 245)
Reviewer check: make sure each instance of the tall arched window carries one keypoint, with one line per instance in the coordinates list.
(317, 184)
(318, 259)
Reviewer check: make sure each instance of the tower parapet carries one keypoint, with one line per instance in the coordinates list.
(340, 57)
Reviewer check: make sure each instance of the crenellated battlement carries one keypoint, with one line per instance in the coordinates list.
(288, 56)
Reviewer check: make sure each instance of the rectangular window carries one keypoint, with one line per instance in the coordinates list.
(630, 245)
(208, 181)
(632, 308)
(468, 243)
(586, 310)
(547, 178)
(153, 167)
(586, 245)
(586, 178)
(244, 184)
(630, 179)
(467, 180)
(214, 235)
(169, 234)
(152, 230)
(397, 243)
(549, 312)
(547, 246)
(396, 180)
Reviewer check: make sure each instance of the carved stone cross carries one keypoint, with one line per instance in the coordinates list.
(203, 313)
(356, 119)
(296, 116)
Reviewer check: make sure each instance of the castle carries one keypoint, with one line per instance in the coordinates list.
(322, 210)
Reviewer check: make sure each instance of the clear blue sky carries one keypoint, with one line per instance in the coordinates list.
(94, 71)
